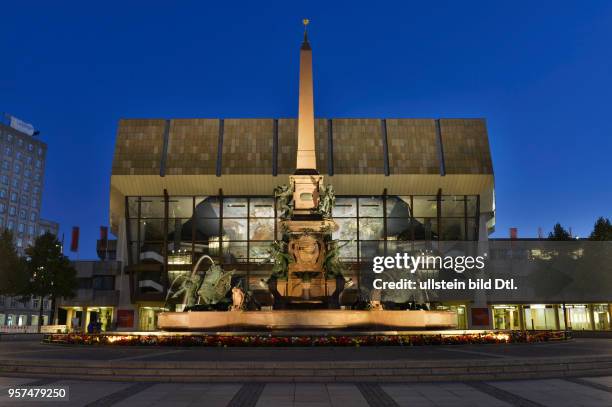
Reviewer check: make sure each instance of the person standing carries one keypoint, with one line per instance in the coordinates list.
(74, 323)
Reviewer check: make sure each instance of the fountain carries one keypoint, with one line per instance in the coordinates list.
(306, 256)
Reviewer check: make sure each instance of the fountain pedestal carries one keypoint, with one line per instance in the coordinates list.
(307, 231)
(307, 247)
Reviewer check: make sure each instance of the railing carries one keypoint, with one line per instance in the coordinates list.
(15, 329)
(31, 329)
(51, 329)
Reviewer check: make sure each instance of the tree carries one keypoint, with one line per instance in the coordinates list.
(559, 233)
(13, 276)
(602, 230)
(50, 272)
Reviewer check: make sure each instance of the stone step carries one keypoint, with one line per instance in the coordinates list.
(421, 371)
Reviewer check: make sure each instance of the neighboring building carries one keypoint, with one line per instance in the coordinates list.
(22, 170)
(107, 249)
(96, 296)
(16, 314)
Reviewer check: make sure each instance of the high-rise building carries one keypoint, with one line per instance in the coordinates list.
(22, 169)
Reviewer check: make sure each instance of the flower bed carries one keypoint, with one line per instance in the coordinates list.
(268, 340)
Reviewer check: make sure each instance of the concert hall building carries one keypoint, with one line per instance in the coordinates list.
(181, 188)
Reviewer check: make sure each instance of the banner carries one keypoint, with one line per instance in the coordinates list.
(125, 318)
(22, 126)
(74, 244)
(103, 237)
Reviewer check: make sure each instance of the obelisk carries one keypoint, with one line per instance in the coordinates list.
(306, 178)
(306, 156)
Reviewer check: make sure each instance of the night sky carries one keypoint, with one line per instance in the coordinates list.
(539, 72)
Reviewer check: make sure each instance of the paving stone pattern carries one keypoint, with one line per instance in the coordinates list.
(590, 391)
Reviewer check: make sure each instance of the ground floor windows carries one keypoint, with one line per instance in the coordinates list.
(539, 316)
(20, 322)
(460, 310)
(506, 317)
(147, 317)
(577, 317)
(88, 319)
(601, 317)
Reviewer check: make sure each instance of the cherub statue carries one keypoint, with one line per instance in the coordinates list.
(284, 194)
(327, 201)
(237, 299)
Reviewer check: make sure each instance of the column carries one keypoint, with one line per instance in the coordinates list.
(69, 315)
(84, 320)
(521, 313)
(557, 322)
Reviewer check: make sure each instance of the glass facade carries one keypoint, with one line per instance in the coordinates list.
(541, 317)
(601, 317)
(506, 317)
(171, 233)
(240, 229)
(577, 317)
(458, 309)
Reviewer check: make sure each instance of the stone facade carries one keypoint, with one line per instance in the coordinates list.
(192, 147)
(413, 146)
(466, 146)
(322, 140)
(287, 145)
(139, 145)
(358, 146)
(248, 146)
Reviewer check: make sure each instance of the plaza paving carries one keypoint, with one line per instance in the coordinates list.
(561, 391)
(551, 392)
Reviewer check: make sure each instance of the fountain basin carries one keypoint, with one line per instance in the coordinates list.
(306, 320)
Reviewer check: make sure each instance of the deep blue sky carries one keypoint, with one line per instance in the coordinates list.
(540, 72)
